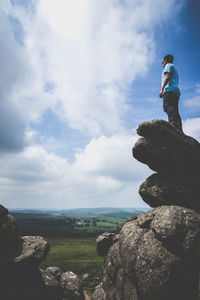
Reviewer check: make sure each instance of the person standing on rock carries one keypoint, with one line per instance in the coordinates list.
(170, 91)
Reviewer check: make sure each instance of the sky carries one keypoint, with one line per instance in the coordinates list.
(77, 78)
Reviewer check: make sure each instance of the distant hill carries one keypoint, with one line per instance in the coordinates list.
(85, 221)
(99, 211)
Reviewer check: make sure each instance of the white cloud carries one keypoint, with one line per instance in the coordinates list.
(76, 58)
(12, 61)
(110, 157)
(192, 103)
(103, 174)
(22, 99)
(90, 51)
(192, 127)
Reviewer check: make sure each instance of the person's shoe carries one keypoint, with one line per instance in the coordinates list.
(180, 126)
(176, 125)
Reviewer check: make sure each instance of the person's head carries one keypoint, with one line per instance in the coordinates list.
(167, 59)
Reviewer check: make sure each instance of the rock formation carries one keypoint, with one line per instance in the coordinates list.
(20, 277)
(157, 255)
(176, 158)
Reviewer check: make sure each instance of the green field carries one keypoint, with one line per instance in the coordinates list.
(76, 254)
(63, 225)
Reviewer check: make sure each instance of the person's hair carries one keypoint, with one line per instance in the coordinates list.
(169, 58)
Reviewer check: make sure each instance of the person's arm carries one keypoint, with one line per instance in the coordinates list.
(166, 80)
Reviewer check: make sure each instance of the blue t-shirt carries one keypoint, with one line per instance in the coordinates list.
(172, 84)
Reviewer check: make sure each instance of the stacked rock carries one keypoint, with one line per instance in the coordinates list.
(176, 159)
(157, 254)
(20, 277)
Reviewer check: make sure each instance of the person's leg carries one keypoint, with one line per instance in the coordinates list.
(179, 117)
(170, 106)
(176, 115)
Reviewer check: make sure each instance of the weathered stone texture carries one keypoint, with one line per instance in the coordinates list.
(160, 190)
(32, 249)
(72, 287)
(157, 257)
(164, 149)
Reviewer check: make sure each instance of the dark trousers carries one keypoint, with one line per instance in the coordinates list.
(170, 106)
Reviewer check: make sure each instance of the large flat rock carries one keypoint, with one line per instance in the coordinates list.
(165, 149)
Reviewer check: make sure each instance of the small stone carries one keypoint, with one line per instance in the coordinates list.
(72, 287)
(99, 293)
(104, 242)
(53, 289)
(54, 271)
